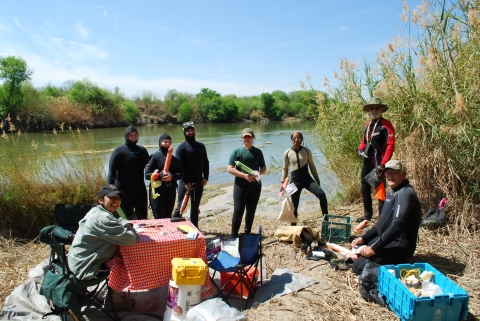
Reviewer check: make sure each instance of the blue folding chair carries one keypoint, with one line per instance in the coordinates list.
(243, 271)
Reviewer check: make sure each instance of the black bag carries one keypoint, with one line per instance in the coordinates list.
(368, 280)
(373, 179)
(434, 215)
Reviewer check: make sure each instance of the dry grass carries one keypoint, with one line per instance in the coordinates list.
(335, 297)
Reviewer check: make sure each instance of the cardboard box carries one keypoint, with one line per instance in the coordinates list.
(451, 305)
(240, 289)
(189, 271)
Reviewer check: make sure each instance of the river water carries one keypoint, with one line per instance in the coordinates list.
(220, 140)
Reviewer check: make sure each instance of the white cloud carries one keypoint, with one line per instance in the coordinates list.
(48, 27)
(71, 52)
(81, 30)
(5, 26)
(19, 24)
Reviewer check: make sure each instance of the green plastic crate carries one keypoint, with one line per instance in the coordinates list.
(336, 228)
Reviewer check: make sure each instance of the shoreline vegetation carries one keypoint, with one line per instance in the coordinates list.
(429, 81)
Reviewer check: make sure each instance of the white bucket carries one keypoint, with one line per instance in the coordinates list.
(180, 300)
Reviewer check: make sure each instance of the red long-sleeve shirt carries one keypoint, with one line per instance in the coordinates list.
(381, 135)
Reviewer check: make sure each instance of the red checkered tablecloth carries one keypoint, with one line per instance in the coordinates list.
(148, 263)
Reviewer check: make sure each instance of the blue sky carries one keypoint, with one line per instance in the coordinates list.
(234, 47)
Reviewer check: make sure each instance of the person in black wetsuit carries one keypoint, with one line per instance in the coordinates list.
(162, 205)
(126, 171)
(377, 146)
(394, 238)
(194, 161)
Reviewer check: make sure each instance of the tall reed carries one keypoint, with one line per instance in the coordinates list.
(31, 183)
(430, 82)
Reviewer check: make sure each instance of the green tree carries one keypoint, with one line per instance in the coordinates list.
(130, 110)
(13, 71)
(185, 112)
(210, 103)
(267, 101)
(51, 91)
(86, 92)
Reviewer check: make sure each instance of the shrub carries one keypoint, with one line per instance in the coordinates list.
(185, 112)
(130, 111)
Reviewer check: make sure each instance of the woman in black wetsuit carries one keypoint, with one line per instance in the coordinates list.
(162, 205)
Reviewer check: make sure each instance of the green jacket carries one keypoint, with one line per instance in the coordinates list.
(96, 241)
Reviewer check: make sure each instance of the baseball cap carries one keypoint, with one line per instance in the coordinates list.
(109, 191)
(247, 132)
(394, 164)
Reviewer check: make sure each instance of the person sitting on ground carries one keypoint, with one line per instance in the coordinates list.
(394, 238)
(300, 160)
(98, 235)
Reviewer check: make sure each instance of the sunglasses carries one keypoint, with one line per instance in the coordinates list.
(187, 124)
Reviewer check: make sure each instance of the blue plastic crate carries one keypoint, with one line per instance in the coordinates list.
(452, 305)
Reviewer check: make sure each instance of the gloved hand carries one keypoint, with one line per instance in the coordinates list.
(360, 153)
(156, 175)
(379, 169)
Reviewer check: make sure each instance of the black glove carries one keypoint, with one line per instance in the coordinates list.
(379, 169)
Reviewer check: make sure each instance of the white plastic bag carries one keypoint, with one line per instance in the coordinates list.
(214, 310)
(289, 190)
(286, 213)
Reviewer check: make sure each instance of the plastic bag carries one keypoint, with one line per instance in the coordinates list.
(431, 289)
(434, 215)
(286, 213)
(373, 179)
(289, 190)
(214, 310)
(368, 280)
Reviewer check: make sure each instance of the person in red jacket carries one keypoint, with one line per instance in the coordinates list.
(377, 146)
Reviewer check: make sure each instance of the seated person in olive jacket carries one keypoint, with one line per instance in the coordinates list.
(98, 235)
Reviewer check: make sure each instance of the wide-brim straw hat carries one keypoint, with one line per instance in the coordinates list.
(375, 102)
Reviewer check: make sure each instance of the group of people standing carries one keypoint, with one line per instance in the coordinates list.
(392, 240)
(130, 164)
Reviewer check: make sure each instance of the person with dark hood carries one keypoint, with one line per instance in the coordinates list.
(126, 171)
(394, 238)
(377, 146)
(194, 161)
(162, 198)
(300, 160)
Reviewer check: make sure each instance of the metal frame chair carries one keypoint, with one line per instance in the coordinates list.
(78, 293)
(245, 269)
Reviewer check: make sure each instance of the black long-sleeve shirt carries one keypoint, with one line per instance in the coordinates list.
(194, 161)
(398, 223)
(127, 163)
(157, 161)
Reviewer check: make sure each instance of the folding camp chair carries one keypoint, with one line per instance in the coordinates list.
(68, 294)
(240, 275)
